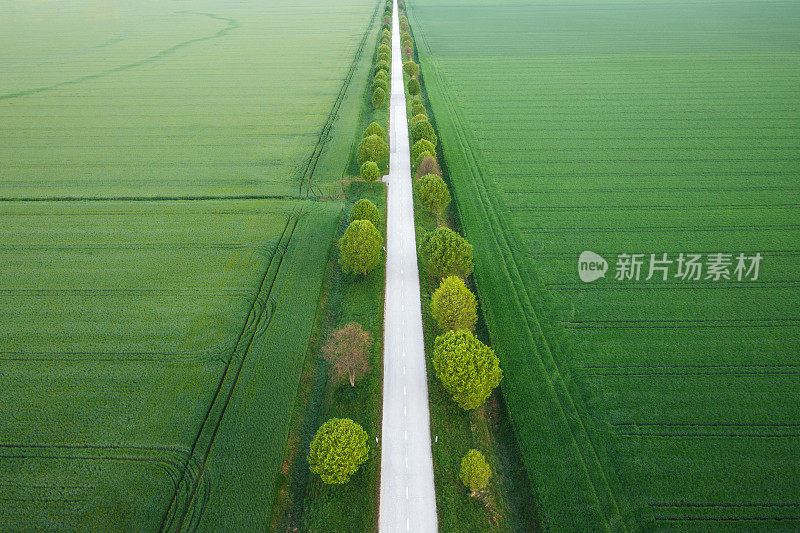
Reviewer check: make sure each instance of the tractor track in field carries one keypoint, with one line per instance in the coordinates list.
(253, 327)
(311, 164)
(232, 24)
(173, 198)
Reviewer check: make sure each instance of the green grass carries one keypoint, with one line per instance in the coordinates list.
(305, 501)
(643, 128)
(161, 266)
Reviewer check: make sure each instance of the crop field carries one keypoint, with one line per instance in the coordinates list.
(162, 252)
(634, 128)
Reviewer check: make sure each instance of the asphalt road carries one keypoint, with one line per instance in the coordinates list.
(408, 500)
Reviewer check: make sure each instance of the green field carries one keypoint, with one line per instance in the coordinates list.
(638, 128)
(161, 250)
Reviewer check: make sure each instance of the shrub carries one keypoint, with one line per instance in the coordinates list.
(384, 48)
(382, 65)
(408, 52)
(387, 34)
(475, 471)
(383, 56)
(337, 450)
(416, 119)
(411, 68)
(413, 87)
(406, 40)
(445, 253)
(347, 351)
(423, 130)
(360, 247)
(374, 129)
(370, 172)
(418, 149)
(380, 84)
(381, 75)
(417, 107)
(467, 368)
(404, 23)
(428, 165)
(453, 305)
(433, 193)
(372, 148)
(363, 209)
(378, 97)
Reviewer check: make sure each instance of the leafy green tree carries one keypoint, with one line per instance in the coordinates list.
(445, 253)
(383, 56)
(416, 119)
(413, 87)
(337, 450)
(428, 165)
(363, 209)
(408, 53)
(423, 130)
(347, 351)
(411, 68)
(382, 65)
(381, 74)
(360, 247)
(417, 107)
(380, 84)
(406, 40)
(419, 147)
(378, 97)
(372, 148)
(387, 34)
(467, 368)
(475, 471)
(384, 48)
(370, 172)
(433, 193)
(374, 129)
(453, 305)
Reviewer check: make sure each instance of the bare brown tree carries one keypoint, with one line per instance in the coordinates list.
(347, 351)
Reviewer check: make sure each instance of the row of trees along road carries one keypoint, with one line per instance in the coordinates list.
(340, 446)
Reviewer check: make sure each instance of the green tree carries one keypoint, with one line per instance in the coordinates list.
(347, 351)
(360, 247)
(363, 209)
(382, 65)
(445, 253)
(408, 52)
(387, 34)
(475, 471)
(380, 84)
(406, 40)
(378, 97)
(381, 74)
(428, 165)
(411, 68)
(417, 107)
(467, 368)
(374, 129)
(433, 193)
(416, 119)
(453, 305)
(384, 48)
(337, 450)
(372, 148)
(370, 172)
(419, 148)
(413, 87)
(386, 58)
(423, 130)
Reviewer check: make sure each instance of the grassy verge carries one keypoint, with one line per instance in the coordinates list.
(508, 504)
(306, 504)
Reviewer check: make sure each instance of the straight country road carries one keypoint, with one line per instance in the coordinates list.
(408, 499)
